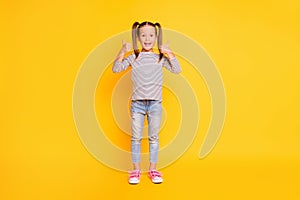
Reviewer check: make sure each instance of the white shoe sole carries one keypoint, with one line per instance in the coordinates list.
(134, 182)
(157, 180)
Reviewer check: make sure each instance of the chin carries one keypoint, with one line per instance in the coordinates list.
(148, 48)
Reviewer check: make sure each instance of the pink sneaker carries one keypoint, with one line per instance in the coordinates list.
(134, 177)
(155, 176)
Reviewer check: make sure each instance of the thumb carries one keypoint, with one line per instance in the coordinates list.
(123, 42)
(167, 44)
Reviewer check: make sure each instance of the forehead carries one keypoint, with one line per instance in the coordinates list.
(147, 28)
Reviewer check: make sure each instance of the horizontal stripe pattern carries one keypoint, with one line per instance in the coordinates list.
(147, 74)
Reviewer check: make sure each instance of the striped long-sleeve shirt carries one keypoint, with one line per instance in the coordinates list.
(147, 74)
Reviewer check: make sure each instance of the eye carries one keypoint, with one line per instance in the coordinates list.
(151, 35)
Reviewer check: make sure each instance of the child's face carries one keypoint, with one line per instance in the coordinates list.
(147, 37)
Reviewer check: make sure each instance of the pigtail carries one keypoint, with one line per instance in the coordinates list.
(159, 41)
(134, 35)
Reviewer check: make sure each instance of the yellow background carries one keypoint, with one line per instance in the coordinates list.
(255, 45)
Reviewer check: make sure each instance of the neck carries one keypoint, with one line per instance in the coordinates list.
(150, 50)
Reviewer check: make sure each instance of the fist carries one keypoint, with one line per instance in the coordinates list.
(165, 48)
(126, 47)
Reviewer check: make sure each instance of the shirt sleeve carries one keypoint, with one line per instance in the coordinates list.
(172, 65)
(123, 65)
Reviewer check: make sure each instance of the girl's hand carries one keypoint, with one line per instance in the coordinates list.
(126, 47)
(166, 50)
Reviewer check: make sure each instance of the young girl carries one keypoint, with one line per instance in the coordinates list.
(147, 90)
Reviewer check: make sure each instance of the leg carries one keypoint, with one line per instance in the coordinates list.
(154, 120)
(137, 125)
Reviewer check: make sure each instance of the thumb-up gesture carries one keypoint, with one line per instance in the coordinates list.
(126, 47)
(166, 50)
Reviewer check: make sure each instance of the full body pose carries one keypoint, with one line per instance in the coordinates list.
(147, 90)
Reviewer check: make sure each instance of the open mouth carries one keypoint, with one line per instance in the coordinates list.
(147, 44)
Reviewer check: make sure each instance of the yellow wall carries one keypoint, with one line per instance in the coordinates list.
(255, 46)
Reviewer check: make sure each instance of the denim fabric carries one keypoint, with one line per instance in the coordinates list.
(139, 109)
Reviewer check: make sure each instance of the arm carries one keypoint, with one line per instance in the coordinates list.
(171, 62)
(172, 65)
(120, 63)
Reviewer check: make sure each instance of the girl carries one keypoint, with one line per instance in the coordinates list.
(147, 90)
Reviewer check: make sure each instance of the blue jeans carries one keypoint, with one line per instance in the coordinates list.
(139, 109)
